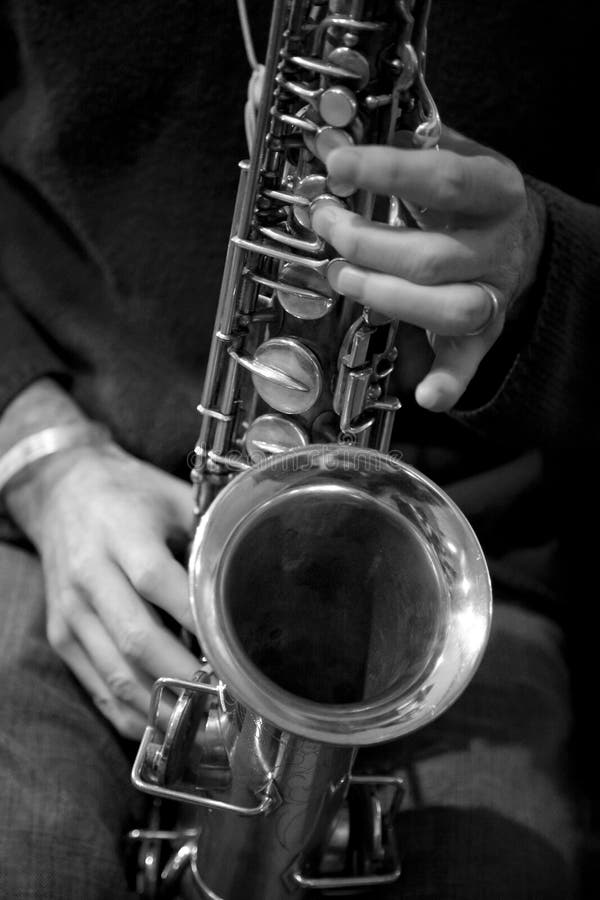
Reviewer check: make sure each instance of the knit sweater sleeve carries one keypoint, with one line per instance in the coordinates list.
(25, 351)
(24, 355)
(549, 393)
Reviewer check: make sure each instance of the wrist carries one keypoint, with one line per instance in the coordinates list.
(47, 457)
(42, 404)
(22, 457)
(42, 434)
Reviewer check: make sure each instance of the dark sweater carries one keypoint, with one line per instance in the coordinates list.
(120, 131)
(120, 141)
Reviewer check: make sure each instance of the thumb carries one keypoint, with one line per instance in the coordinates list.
(454, 366)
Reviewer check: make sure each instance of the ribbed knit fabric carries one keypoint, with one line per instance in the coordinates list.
(551, 387)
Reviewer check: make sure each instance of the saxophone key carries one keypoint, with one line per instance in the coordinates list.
(354, 70)
(304, 293)
(353, 63)
(286, 375)
(309, 188)
(295, 297)
(321, 139)
(316, 245)
(270, 434)
(337, 105)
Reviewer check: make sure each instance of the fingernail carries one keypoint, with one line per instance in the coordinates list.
(341, 187)
(342, 166)
(323, 216)
(430, 397)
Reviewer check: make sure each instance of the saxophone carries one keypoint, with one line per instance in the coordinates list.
(340, 599)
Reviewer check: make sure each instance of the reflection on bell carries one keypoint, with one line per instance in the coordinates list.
(329, 593)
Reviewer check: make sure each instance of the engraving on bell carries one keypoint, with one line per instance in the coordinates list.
(284, 361)
(338, 106)
(314, 297)
(270, 434)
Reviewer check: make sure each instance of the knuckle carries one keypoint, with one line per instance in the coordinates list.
(447, 321)
(79, 564)
(468, 316)
(450, 182)
(515, 189)
(105, 705)
(133, 642)
(68, 602)
(122, 686)
(423, 267)
(144, 574)
(78, 578)
(59, 635)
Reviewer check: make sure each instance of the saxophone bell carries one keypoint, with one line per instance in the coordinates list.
(339, 594)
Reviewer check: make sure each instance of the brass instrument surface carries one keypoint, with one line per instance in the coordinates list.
(340, 598)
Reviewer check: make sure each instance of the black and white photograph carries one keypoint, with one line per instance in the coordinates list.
(299, 442)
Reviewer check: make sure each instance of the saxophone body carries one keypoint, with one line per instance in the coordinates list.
(340, 599)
